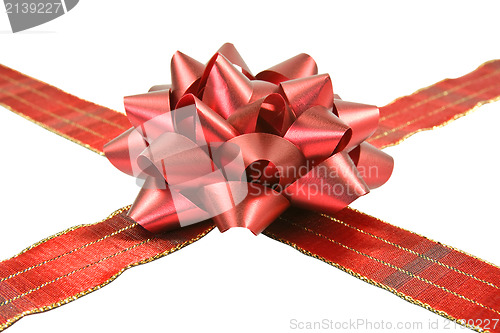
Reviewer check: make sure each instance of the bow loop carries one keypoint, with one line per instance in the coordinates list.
(229, 51)
(330, 186)
(309, 91)
(144, 107)
(211, 124)
(186, 73)
(318, 133)
(270, 114)
(223, 88)
(302, 65)
(259, 208)
(362, 118)
(159, 209)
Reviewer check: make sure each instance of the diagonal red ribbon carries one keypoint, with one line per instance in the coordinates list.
(437, 277)
(426, 273)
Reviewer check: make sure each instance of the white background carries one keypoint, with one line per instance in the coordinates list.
(445, 183)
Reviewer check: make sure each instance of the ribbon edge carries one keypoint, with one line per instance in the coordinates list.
(62, 91)
(374, 283)
(50, 129)
(443, 124)
(60, 233)
(443, 80)
(70, 299)
(417, 234)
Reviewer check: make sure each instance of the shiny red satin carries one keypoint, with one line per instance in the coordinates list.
(299, 144)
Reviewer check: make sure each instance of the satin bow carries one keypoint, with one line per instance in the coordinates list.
(224, 144)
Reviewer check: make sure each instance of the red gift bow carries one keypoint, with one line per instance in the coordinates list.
(437, 277)
(288, 127)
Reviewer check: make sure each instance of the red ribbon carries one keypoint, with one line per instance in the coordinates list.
(221, 143)
(437, 277)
